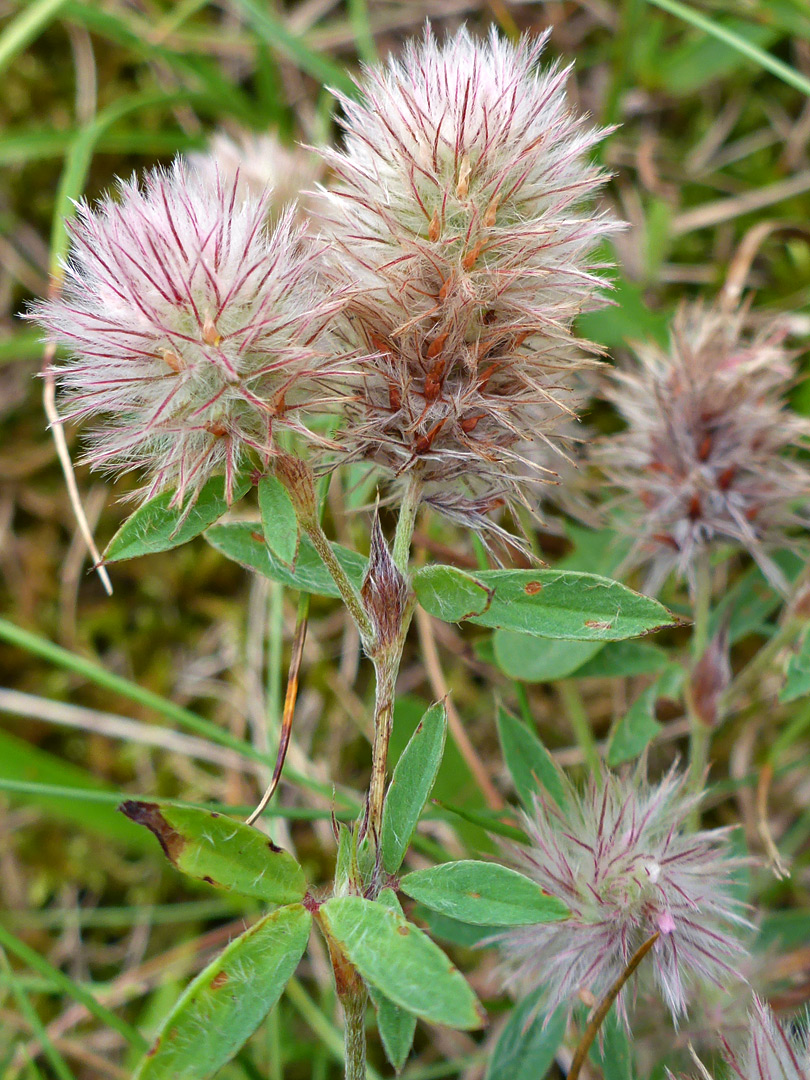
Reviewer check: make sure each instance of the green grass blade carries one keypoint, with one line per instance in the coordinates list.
(22, 30)
(113, 798)
(753, 52)
(273, 30)
(30, 1014)
(65, 985)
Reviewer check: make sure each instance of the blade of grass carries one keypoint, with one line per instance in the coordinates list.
(273, 30)
(95, 673)
(66, 985)
(358, 14)
(22, 30)
(30, 1014)
(30, 787)
(777, 67)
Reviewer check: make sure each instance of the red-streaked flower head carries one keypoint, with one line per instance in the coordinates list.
(768, 1053)
(194, 332)
(624, 861)
(709, 454)
(461, 220)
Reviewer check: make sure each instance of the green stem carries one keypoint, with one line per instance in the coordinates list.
(354, 1036)
(385, 670)
(347, 591)
(578, 716)
(699, 733)
(406, 523)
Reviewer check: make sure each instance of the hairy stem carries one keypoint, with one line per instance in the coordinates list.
(386, 670)
(406, 523)
(699, 732)
(386, 665)
(603, 1008)
(347, 591)
(354, 1036)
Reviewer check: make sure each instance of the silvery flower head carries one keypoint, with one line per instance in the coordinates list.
(193, 331)
(766, 1051)
(709, 454)
(624, 862)
(461, 217)
(258, 163)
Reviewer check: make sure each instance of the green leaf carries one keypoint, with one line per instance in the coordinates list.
(528, 1044)
(797, 683)
(156, 526)
(612, 1053)
(622, 659)
(533, 659)
(411, 785)
(242, 543)
(395, 1025)
(636, 730)
(222, 852)
(279, 522)
(227, 1001)
(529, 763)
(547, 603)
(401, 961)
(482, 893)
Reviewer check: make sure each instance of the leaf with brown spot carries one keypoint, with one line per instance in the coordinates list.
(222, 852)
(207, 1027)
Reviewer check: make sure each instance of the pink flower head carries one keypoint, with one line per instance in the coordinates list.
(624, 862)
(709, 454)
(193, 331)
(461, 222)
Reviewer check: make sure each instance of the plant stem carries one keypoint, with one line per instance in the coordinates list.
(699, 732)
(354, 1036)
(386, 664)
(603, 1008)
(385, 669)
(340, 578)
(572, 700)
(406, 523)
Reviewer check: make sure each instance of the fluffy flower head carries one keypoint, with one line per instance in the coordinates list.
(709, 450)
(193, 331)
(769, 1053)
(460, 216)
(626, 866)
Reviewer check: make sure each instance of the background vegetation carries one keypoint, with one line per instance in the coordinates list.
(103, 696)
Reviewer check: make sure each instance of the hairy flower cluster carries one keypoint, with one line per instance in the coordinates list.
(769, 1053)
(764, 1051)
(193, 330)
(460, 218)
(258, 163)
(624, 862)
(709, 452)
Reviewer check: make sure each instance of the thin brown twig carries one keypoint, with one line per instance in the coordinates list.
(603, 1008)
(57, 431)
(438, 684)
(288, 712)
